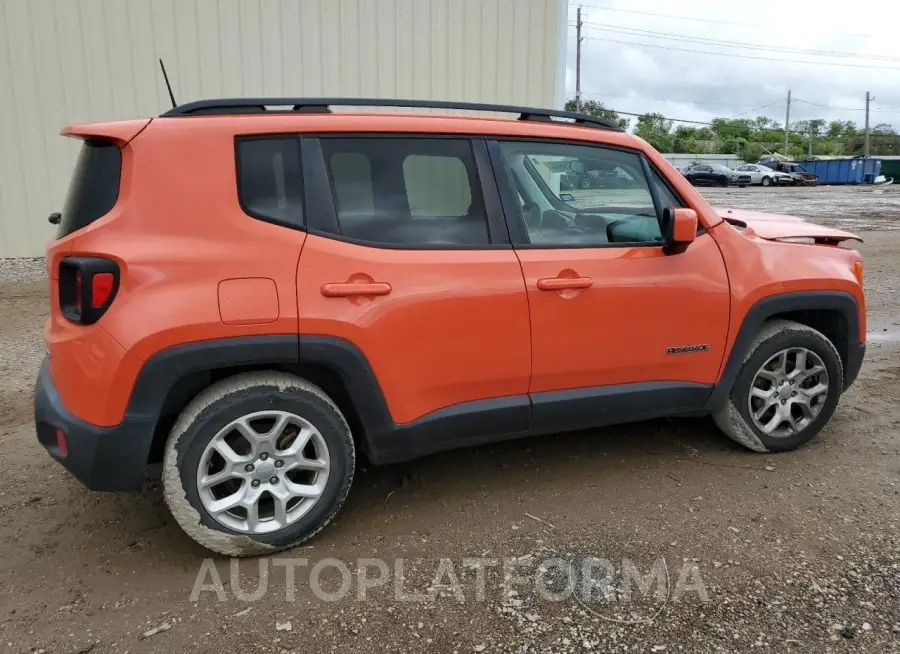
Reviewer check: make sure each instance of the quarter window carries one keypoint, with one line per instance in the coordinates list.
(270, 180)
(574, 195)
(406, 191)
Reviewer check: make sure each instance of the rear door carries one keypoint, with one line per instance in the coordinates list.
(620, 329)
(408, 260)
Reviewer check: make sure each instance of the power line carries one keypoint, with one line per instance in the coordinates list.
(681, 100)
(825, 106)
(690, 38)
(744, 113)
(740, 56)
(752, 128)
(703, 20)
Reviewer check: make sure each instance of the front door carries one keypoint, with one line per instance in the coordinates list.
(619, 328)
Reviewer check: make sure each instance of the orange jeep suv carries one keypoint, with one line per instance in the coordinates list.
(252, 292)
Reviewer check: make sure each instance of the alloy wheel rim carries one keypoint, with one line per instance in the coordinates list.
(788, 392)
(263, 471)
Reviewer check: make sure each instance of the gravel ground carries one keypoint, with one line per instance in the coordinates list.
(653, 537)
(14, 271)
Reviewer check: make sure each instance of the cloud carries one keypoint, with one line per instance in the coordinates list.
(693, 86)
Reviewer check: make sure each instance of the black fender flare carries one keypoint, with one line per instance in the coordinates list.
(172, 376)
(163, 370)
(784, 303)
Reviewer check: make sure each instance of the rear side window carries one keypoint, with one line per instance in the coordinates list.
(270, 179)
(413, 192)
(94, 187)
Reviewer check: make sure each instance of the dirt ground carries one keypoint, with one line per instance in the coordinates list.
(797, 552)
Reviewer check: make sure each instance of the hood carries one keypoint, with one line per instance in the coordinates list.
(779, 227)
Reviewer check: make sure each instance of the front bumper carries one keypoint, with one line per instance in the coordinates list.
(102, 458)
(855, 355)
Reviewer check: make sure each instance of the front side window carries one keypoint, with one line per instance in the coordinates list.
(583, 195)
(419, 192)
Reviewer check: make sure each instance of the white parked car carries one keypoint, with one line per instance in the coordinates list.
(765, 175)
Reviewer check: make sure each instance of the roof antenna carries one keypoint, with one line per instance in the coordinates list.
(168, 86)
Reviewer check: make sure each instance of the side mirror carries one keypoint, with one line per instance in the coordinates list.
(679, 229)
(576, 166)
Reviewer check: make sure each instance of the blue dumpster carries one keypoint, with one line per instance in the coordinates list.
(857, 170)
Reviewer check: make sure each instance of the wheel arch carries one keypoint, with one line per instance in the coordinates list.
(834, 313)
(170, 379)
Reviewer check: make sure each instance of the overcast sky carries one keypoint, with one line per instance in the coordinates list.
(693, 86)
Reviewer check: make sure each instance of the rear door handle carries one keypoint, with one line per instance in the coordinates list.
(562, 283)
(350, 289)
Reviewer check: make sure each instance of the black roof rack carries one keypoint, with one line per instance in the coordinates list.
(322, 105)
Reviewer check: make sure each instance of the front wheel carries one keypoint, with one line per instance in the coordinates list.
(723, 181)
(767, 181)
(786, 390)
(258, 463)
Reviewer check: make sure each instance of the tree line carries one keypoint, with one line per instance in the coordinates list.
(752, 138)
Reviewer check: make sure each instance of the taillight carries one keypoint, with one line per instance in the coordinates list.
(101, 288)
(87, 287)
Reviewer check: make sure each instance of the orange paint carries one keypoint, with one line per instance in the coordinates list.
(438, 327)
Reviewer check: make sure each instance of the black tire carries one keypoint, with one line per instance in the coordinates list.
(734, 418)
(209, 413)
(767, 181)
(723, 181)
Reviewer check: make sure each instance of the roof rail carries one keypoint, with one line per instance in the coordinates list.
(322, 105)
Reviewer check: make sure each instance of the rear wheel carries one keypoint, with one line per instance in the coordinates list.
(258, 463)
(786, 390)
(767, 181)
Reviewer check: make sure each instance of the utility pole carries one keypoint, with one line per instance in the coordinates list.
(868, 101)
(810, 139)
(578, 40)
(787, 124)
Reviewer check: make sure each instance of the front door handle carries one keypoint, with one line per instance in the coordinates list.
(563, 283)
(350, 289)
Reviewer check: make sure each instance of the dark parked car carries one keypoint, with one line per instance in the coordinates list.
(715, 175)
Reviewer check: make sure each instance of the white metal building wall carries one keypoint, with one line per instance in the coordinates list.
(71, 61)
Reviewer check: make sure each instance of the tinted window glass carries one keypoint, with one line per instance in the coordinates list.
(582, 195)
(270, 181)
(414, 192)
(94, 187)
(666, 196)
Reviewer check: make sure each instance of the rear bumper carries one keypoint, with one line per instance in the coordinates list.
(102, 458)
(855, 356)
